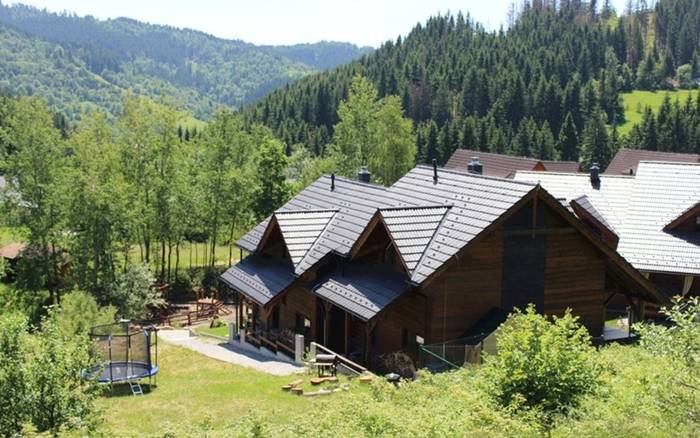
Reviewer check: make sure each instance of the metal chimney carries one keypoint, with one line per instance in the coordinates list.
(595, 174)
(435, 175)
(475, 166)
(332, 181)
(363, 175)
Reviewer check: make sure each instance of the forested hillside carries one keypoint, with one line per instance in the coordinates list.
(548, 87)
(78, 62)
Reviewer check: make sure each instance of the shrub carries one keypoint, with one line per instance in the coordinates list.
(79, 312)
(545, 365)
(41, 379)
(678, 394)
(133, 295)
(13, 379)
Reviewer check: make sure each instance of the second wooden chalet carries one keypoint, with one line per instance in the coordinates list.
(366, 270)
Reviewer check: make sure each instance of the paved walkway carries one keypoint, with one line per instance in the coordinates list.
(228, 353)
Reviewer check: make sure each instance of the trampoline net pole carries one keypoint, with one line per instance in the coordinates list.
(109, 349)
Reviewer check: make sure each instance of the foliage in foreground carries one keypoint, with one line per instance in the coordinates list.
(541, 364)
(41, 379)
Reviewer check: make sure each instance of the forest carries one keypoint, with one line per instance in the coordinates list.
(80, 63)
(547, 87)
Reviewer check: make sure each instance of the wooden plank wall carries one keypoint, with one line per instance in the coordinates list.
(575, 278)
(408, 311)
(466, 291)
(297, 299)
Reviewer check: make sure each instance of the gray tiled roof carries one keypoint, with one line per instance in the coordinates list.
(638, 208)
(611, 197)
(362, 290)
(301, 229)
(259, 278)
(475, 201)
(661, 193)
(412, 229)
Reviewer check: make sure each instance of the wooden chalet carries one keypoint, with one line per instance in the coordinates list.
(367, 270)
(505, 166)
(652, 218)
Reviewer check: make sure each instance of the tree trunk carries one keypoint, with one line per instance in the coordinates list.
(162, 260)
(230, 241)
(170, 258)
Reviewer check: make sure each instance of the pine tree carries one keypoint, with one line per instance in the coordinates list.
(567, 143)
(596, 145)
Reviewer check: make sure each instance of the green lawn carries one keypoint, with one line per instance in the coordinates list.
(636, 101)
(194, 390)
(221, 331)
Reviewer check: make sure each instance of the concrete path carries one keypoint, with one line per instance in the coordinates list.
(228, 353)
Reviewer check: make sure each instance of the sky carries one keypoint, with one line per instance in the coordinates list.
(363, 22)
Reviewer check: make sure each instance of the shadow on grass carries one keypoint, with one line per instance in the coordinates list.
(124, 390)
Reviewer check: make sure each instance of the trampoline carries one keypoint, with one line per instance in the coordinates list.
(124, 352)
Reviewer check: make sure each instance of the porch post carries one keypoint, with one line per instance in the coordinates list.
(326, 326)
(347, 334)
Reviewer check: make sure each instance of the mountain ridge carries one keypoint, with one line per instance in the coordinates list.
(198, 70)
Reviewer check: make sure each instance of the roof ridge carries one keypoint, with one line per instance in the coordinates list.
(467, 173)
(430, 243)
(320, 210)
(353, 181)
(683, 163)
(414, 207)
(578, 174)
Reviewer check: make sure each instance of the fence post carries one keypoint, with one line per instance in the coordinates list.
(298, 348)
(241, 335)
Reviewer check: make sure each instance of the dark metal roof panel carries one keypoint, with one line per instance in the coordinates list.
(585, 203)
(301, 229)
(475, 200)
(362, 290)
(259, 278)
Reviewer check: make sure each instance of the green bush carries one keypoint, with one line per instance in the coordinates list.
(79, 312)
(133, 295)
(678, 345)
(13, 374)
(542, 365)
(41, 379)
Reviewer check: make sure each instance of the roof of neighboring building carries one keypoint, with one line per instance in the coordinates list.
(362, 290)
(260, 278)
(626, 161)
(505, 166)
(662, 192)
(12, 250)
(690, 212)
(638, 209)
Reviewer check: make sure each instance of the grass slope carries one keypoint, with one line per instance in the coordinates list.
(636, 101)
(196, 390)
